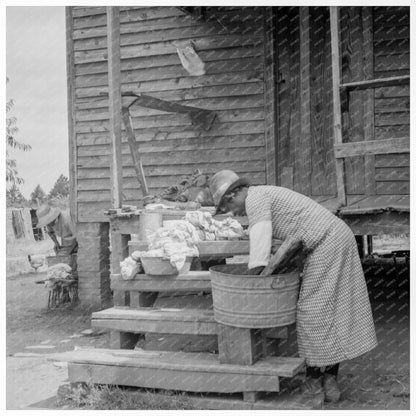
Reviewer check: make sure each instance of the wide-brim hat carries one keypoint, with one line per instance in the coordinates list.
(46, 214)
(223, 182)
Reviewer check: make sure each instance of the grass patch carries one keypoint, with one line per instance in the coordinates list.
(108, 397)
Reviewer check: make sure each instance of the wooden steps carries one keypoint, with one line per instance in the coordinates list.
(165, 320)
(191, 372)
(191, 281)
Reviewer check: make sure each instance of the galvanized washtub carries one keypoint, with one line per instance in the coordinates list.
(252, 301)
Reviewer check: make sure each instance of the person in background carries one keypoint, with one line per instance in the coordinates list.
(334, 320)
(58, 223)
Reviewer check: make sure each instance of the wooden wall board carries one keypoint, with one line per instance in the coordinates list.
(303, 160)
(368, 97)
(323, 179)
(72, 147)
(336, 100)
(270, 98)
(288, 88)
(353, 70)
(114, 89)
(210, 57)
(393, 188)
(251, 66)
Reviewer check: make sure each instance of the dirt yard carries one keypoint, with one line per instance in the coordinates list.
(378, 380)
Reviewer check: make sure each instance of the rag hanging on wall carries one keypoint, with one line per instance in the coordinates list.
(190, 59)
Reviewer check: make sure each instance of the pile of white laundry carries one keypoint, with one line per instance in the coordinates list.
(178, 239)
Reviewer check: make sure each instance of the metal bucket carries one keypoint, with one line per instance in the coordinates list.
(251, 301)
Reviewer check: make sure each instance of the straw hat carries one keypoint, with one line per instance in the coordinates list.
(223, 182)
(46, 214)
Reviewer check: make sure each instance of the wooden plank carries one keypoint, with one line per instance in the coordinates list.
(87, 147)
(172, 120)
(212, 248)
(286, 179)
(144, 26)
(167, 90)
(193, 281)
(270, 97)
(231, 57)
(146, 320)
(173, 157)
(119, 250)
(372, 147)
(158, 33)
(303, 161)
(239, 345)
(392, 174)
(134, 150)
(369, 160)
(195, 381)
(353, 70)
(393, 188)
(389, 132)
(241, 70)
(376, 83)
(72, 147)
(323, 180)
(184, 362)
(142, 299)
(339, 164)
(168, 170)
(93, 112)
(123, 340)
(129, 15)
(219, 43)
(113, 33)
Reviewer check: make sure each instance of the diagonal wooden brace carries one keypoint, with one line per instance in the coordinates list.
(138, 167)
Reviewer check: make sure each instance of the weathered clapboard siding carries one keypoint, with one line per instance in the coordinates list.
(392, 105)
(305, 159)
(230, 42)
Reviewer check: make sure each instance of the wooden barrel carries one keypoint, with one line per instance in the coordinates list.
(252, 301)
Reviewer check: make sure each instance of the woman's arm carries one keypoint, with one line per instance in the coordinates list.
(290, 247)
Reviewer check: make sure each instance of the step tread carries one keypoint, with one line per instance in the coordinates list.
(181, 361)
(156, 314)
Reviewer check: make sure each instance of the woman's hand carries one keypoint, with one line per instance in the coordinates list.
(290, 247)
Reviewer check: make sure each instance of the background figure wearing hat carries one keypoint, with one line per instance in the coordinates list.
(334, 320)
(58, 223)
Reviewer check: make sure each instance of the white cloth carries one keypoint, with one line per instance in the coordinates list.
(260, 244)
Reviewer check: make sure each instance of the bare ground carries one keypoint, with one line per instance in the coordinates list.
(378, 380)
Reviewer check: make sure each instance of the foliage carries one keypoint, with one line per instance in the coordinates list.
(107, 397)
(38, 194)
(14, 198)
(12, 174)
(61, 188)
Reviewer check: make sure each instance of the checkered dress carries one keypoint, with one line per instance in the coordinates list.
(334, 320)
